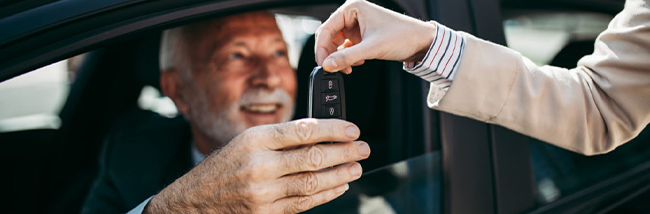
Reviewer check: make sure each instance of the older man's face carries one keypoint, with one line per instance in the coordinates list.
(242, 76)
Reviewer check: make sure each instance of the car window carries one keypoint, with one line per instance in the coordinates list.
(105, 94)
(409, 186)
(561, 39)
(542, 35)
(33, 100)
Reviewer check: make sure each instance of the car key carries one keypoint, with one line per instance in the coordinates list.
(326, 94)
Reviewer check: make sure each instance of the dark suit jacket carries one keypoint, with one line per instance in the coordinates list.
(137, 162)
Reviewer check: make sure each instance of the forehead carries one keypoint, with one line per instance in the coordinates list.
(205, 38)
(255, 24)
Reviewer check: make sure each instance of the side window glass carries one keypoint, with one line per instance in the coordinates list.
(547, 36)
(561, 39)
(33, 100)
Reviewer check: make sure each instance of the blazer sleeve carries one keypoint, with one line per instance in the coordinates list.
(591, 109)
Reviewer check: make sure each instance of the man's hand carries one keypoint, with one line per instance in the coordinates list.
(270, 169)
(359, 30)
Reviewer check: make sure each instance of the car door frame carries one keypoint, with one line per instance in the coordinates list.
(486, 168)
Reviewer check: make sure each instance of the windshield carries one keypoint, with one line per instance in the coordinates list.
(409, 186)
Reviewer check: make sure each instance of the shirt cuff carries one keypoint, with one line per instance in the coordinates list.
(442, 60)
(140, 208)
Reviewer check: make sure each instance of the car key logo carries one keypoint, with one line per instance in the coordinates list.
(331, 110)
(329, 84)
(330, 98)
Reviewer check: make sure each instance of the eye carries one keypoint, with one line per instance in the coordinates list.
(280, 53)
(236, 56)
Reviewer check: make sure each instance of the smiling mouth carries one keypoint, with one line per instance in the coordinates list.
(267, 108)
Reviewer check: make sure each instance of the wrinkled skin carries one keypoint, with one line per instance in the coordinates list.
(270, 169)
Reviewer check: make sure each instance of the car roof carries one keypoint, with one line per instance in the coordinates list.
(36, 33)
(39, 34)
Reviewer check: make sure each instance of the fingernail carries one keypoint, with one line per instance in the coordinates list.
(352, 131)
(355, 170)
(342, 189)
(330, 63)
(364, 149)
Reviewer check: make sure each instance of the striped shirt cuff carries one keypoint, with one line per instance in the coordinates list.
(442, 60)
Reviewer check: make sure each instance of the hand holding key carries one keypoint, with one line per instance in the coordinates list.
(359, 30)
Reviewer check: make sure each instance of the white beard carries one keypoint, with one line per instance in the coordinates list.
(225, 125)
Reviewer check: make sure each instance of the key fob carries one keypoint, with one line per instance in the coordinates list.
(326, 94)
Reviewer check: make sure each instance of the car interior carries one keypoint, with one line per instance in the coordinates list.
(104, 99)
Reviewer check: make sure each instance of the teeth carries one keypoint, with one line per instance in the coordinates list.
(262, 108)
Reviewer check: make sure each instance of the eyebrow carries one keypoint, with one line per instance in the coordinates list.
(243, 44)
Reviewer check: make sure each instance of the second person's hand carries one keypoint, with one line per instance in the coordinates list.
(359, 30)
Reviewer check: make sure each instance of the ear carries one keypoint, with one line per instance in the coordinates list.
(172, 86)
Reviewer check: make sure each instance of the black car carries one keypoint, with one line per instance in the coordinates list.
(423, 161)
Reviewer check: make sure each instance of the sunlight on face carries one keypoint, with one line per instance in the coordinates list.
(245, 80)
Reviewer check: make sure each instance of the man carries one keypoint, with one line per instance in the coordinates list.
(226, 76)
(591, 109)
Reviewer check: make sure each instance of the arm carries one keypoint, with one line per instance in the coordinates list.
(590, 109)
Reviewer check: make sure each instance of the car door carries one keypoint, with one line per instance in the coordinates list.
(106, 87)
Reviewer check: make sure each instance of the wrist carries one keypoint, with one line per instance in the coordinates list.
(427, 35)
(169, 200)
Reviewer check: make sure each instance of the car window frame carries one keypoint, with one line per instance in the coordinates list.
(92, 37)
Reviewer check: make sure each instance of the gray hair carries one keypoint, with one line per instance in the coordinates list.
(176, 43)
(173, 47)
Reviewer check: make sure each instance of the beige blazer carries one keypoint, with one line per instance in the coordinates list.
(590, 109)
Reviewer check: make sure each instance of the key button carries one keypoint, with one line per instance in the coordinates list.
(329, 85)
(331, 111)
(329, 98)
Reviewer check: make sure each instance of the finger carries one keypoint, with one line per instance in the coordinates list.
(339, 40)
(320, 156)
(326, 34)
(347, 70)
(345, 44)
(298, 204)
(348, 56)
(309, 183)
(302, 132)
(358, 63)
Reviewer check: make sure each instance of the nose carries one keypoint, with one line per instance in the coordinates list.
(266, 75)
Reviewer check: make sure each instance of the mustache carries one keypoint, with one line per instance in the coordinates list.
(254, 96)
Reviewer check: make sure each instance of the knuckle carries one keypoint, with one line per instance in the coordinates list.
(258, 194)
(304, 129)
(310, 183)
(315, 156)
(254, 170)
(248, 137)
(303, 203)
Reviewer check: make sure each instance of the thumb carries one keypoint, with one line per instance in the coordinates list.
(348, 56)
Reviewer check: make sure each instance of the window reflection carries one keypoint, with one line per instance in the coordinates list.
(410, 186)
